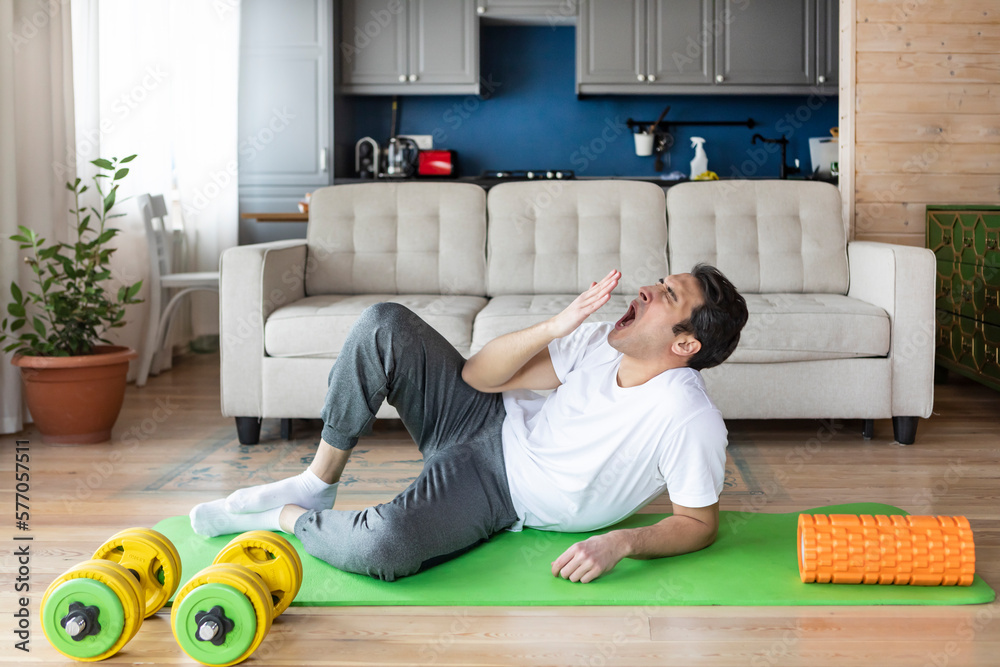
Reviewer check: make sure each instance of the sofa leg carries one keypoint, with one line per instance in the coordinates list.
(904, 429)
(248, 430)
(286, 429)
(867, 428)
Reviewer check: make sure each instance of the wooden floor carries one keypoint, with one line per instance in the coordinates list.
(81, 495)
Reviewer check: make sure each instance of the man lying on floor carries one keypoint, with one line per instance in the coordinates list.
(628, 420)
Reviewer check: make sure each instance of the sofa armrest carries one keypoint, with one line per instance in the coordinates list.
(254, 281)
(900, 280)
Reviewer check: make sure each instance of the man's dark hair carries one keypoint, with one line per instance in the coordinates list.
(717, 322)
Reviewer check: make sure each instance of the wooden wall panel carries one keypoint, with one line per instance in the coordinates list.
(946, 12)
(925, 97)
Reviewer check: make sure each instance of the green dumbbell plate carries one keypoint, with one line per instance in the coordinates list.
(88, 593)
(237, 609)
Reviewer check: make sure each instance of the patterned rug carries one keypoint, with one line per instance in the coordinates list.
(382, 464)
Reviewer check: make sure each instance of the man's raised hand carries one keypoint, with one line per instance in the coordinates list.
(584, 305)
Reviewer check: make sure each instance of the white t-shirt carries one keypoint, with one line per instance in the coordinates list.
(592, 453)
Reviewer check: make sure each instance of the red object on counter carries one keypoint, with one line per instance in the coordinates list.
(436, 163)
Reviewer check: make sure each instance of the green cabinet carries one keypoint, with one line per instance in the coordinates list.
(966, 242)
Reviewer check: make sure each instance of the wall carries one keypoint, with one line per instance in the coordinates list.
(532, 118)
(926, 113)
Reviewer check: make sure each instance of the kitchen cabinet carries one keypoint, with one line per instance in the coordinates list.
(409, 47)
(643, 43)
(828, 43)
(285, 102)
(771, 42)
(706, 46)
(528, 12)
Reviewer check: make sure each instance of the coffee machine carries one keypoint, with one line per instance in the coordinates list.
(367, 158)
(401, 158)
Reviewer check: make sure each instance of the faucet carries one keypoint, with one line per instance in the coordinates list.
(783, 141)
(361, 166)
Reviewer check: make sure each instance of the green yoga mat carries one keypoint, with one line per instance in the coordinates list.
(753, 562)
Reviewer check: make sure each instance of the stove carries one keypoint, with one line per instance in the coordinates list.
(527, 175)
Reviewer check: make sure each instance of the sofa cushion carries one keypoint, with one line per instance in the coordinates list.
(514, 312)
(317, 326)
(766, 236)
(555, 237)
(806, 327)
(397, 238)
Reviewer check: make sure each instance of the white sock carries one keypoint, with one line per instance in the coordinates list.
(305, 490)
(211, 519)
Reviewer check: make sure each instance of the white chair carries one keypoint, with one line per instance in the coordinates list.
(162, 279)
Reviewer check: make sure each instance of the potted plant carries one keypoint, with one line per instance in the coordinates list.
(74, 378)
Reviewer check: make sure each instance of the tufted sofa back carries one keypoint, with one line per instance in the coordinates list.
(766, 236)
(397, 238)
(555, 237)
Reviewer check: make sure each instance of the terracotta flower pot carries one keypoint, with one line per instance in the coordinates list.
(76, 400)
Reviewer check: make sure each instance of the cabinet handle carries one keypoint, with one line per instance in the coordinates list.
(402, 78)
(719, 78)
(413, 77)
(966, 295)
(641, 77)
(821, 78)
(481, 9)
(946, 238)
(991, 244)
(651, 78)
(966, 345)
(967, 241)
(322, 160)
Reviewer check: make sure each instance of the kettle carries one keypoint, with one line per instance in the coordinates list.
(401, 158)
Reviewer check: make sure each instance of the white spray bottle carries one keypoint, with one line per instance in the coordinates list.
(699, 165)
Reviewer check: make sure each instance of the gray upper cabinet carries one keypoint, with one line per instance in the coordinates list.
(611, 42)
(415, 47)
(828, 44)
(679, 43)
(284, 116)
(772, 42)
(706, 46)
(528, 12)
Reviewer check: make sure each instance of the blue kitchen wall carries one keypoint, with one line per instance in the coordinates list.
(532, 119)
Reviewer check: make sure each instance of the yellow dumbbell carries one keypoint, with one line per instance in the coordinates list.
(224, 612)
(93, 609)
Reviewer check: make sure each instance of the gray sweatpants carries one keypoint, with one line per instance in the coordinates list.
(461, 496)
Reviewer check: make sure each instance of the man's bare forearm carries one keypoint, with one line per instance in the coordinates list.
(672, 536)
(501, 358)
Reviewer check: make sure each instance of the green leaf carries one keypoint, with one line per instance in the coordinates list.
(120, 174)
(17, 324)
(109, 201)
(133, 290)
(15, 292)
(84, 189)
(19, 238)
(16, 309)
(102, 163)
(126, 159)
(39, 326)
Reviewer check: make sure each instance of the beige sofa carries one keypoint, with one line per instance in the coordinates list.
(837, 329)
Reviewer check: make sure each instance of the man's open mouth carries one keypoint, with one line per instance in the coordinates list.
(627, 318)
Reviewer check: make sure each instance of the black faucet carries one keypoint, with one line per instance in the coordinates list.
(785, 168)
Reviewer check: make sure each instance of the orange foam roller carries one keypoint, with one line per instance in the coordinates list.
(866, 549)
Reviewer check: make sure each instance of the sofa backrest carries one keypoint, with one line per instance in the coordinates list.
(397, 238)
(766, 236)
(556, 237)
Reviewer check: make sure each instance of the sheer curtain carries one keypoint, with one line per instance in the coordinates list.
(159, 78)
(100, 78)
(36, 129)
